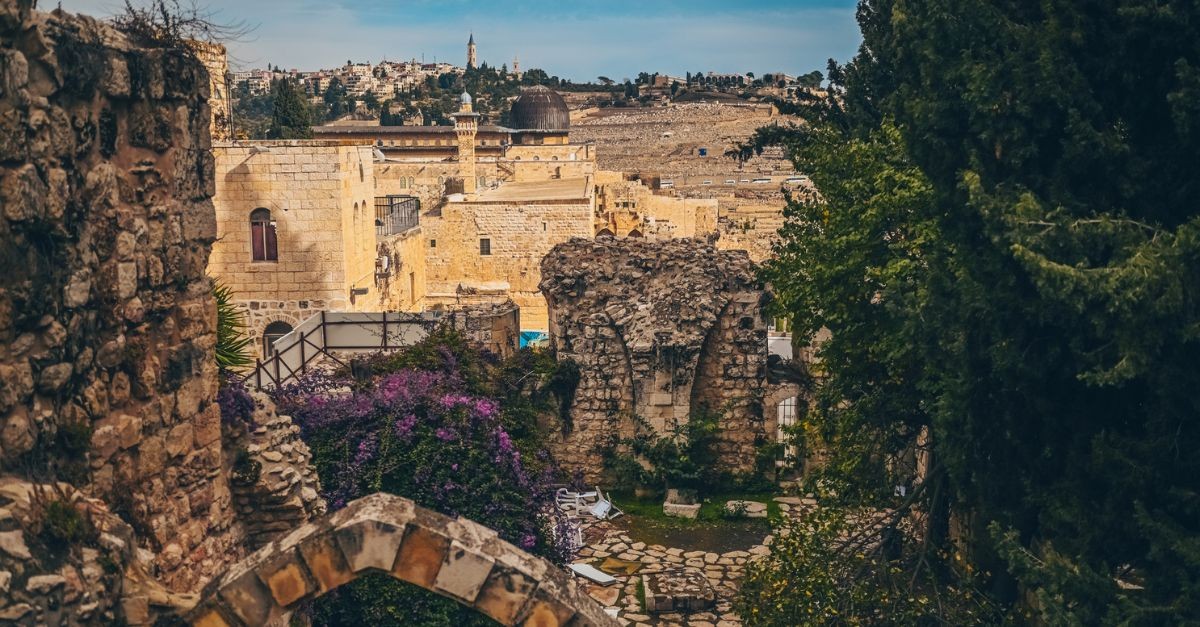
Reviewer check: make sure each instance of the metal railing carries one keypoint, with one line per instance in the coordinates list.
(396, 214)
(347, 332)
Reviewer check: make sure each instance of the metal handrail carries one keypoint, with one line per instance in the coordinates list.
(275, 370)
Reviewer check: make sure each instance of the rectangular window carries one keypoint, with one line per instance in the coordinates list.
(485, 246)
(263, 243)
(433, 243)
(544, 227)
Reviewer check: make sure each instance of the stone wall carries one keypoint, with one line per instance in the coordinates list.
(519, 232)
(659, 330)
(106, 316)
(321, 197)
(403, 286)
(628, 207)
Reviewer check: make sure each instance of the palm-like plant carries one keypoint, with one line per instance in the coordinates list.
(233, 344)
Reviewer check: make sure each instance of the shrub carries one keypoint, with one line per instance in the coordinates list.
(422, 428)
(829, 569)
(233, 344)
(61, 526)
(237, 406)
(685, 457)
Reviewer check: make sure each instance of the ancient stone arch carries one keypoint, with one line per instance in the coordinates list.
(388, 534)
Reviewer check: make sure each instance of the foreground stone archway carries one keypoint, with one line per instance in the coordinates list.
(383, 533)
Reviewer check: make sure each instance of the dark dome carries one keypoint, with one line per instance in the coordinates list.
(540, 109)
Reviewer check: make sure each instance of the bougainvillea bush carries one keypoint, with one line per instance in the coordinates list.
(423, 428)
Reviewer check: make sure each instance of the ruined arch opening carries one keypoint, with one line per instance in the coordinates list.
(384, 534)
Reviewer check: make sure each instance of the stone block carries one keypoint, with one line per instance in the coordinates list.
(325, 561)
(287, 578)
(370, 544)
(421, 556)
(463, 572)
(679, 510)
(248, 598)
(504, 593)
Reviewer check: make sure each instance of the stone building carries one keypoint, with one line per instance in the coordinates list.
(488, 248)
(295, 230)
(480, 206)
(659, 330)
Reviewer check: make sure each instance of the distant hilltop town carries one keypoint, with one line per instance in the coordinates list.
(386, 79)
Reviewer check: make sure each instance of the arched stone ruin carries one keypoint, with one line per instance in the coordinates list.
(388, 534)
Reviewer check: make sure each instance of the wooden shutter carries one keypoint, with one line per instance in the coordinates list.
(257, 240)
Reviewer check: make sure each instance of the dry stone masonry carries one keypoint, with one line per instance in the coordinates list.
(275, 488)
(106, 317)
(659, 330)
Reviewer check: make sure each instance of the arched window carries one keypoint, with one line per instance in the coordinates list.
(403, 183)
(264, 245)
(273, 332)
(412, 182)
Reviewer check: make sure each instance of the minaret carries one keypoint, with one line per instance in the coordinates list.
(516, 67)
(466, 125)
(471, 51)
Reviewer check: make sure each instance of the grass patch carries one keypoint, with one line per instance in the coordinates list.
(641, 593)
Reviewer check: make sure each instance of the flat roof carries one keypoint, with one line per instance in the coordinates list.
(356, 129)
(553, 189)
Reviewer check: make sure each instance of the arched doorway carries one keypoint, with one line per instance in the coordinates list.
(273, 332)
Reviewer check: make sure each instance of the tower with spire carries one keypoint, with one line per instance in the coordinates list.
(516, 67)
(471, 51)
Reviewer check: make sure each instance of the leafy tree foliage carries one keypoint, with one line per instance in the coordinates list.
(1005, 248)
(290, 114)
(233, 343)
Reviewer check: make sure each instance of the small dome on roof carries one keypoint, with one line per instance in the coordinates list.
(539, 108)
(465, 98)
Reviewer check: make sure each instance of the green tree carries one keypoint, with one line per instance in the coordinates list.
(1038, 338)
(290, 115)
(370, 101)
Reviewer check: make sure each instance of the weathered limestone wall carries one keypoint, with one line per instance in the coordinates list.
(321, 197)
(625, 208)
(520, 234)
(753, 228)
(403, 289)
(106, 317)
(216, 62)
(659, 330)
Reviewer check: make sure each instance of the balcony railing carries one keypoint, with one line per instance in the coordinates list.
(396, 214)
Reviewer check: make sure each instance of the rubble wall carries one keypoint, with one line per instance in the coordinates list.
(106, 316)
(659, 330)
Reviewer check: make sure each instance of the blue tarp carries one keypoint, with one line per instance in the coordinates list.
(534, 338)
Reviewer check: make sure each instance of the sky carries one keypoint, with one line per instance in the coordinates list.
(575, 39)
